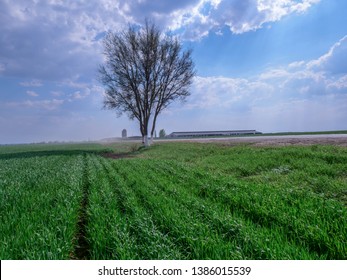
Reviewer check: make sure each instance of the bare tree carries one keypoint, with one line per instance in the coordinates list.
(143, 73)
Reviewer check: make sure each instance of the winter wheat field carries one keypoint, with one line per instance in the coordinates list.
(224, 199)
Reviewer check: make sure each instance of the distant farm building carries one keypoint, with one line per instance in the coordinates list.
(188, 134)
(124, 133)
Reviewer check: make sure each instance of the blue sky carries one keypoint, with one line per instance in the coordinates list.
(269, 65)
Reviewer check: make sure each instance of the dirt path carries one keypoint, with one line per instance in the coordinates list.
(116, 156)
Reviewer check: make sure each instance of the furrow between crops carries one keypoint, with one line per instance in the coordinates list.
(81, 250)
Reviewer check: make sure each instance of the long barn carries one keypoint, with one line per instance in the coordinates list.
(187, 134)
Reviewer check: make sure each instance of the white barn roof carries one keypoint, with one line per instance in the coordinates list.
(212, 133)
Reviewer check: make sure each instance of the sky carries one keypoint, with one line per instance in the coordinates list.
(269, 65)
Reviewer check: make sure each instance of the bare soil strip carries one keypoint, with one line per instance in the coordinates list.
(285, 140)
(116, 156)
(81, 251)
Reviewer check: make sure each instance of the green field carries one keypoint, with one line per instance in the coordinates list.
(173, 201)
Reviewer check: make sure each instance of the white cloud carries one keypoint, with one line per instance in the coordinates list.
(272, 74)
(334, 61)
(57, 93)
(339, 84)
(238, 16)
(72, 83)
(32, 93)
(296, 64)
(32, 83)
(78, 95)
(223, 92)
(49, 105)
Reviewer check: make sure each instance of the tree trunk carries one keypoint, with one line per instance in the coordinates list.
(145, 135)
(145, 129)
(153, 126)
(146, 141)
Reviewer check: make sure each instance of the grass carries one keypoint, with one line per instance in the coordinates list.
(39, 206)
(173, 201)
